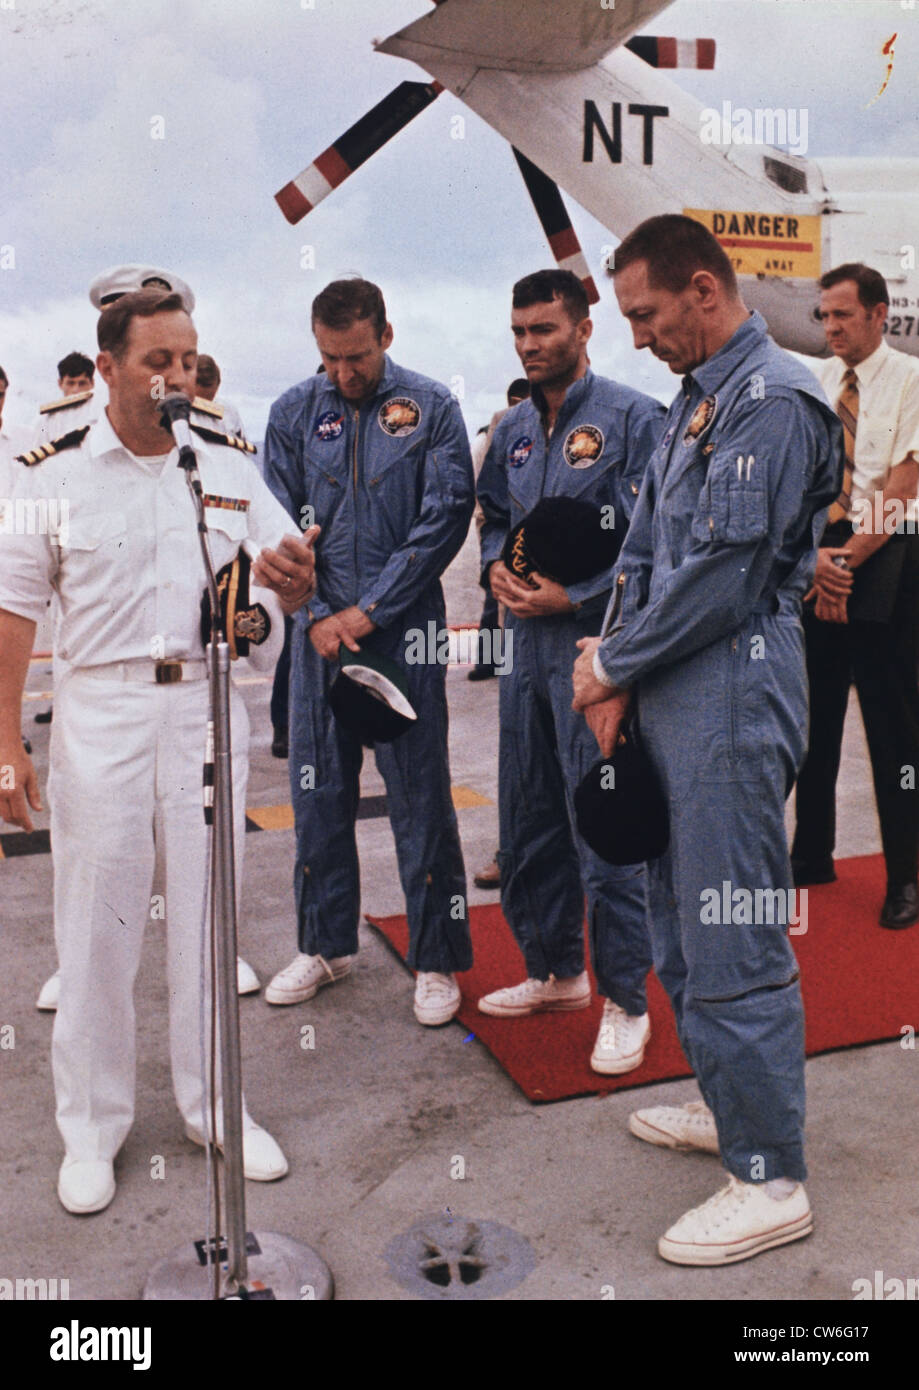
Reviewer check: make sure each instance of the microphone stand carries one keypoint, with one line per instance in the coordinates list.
(223, 891)
(282, 1268)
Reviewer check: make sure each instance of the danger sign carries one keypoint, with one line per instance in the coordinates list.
(765, 243)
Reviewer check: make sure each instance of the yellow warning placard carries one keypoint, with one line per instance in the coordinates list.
(765, 243)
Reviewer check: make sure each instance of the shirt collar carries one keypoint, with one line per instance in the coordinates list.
(868, 368)
(715, 370)
(103, 439)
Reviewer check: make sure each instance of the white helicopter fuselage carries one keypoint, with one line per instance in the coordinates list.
(628, 143)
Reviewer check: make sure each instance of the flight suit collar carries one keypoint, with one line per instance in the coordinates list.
(703, 383)
(714, 372)
(575, 394)
(387, 382)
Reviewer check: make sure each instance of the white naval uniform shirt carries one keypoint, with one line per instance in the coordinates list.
(14, 439)
(54, 424)
(230, 422)
(888, 417)
(120, 546)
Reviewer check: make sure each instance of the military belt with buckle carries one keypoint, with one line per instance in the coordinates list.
(159, 672)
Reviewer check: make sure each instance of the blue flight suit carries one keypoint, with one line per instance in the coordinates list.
(705, 627)
(391, 485)
(602, 440)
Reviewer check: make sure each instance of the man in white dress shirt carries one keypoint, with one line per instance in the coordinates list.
(863, 626)
(207, 383)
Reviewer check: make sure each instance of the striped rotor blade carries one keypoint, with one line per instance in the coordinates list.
(673, 53)
(556, 224)
(352, 149)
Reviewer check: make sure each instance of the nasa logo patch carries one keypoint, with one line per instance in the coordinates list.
(399, 416)
(328, 425)
(703, 415)
(520, 451)
(584, 446)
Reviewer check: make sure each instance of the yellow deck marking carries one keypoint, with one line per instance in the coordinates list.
(464, 797)
(272, 817)
(282, 817)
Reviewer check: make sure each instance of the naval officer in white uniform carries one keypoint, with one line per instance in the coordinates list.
(131, 712)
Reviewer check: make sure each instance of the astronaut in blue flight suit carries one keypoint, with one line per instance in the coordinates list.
(378, 456)
(704, 636)
(577, 436)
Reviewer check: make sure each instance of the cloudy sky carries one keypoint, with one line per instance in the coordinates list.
(247, 92)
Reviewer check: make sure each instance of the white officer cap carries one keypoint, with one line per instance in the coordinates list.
(125, 279)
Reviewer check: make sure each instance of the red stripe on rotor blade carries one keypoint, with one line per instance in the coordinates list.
(292, 203)
(705, 53)
(333, 167)
(564, 244)
(667, 53)
(593, 294)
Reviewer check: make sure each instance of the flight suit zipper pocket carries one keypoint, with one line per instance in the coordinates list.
(617, 604)
(357, 435)
(732, 699)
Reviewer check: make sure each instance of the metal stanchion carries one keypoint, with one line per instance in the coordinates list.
(253, 1265)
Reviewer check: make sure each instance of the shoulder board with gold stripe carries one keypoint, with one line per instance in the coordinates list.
(56, 446)
(218, 437)
(208, 407)
(64, 402)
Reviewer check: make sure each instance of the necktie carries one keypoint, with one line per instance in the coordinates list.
(847, 410)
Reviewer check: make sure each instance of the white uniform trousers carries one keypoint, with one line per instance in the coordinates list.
(126, 760)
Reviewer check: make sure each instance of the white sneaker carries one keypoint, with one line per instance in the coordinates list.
(689, 1126)
(263, 1159)
(739, 1221)
(538, 996)
(437, 997)
(304, 977)
(621, 1041)
(247, 982)
(86, 1185)
(49, 994)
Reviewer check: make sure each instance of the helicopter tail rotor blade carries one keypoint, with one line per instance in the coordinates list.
(352, 149)
(552, 213)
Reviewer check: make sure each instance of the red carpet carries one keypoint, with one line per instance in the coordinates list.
(860, 984)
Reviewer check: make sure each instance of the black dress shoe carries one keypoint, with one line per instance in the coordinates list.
(901, 906)
(806, 873)
(482, 672)
(279, 746)
(489, 877)
(45, 716)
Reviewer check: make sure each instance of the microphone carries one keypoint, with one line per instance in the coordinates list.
(174, 415)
